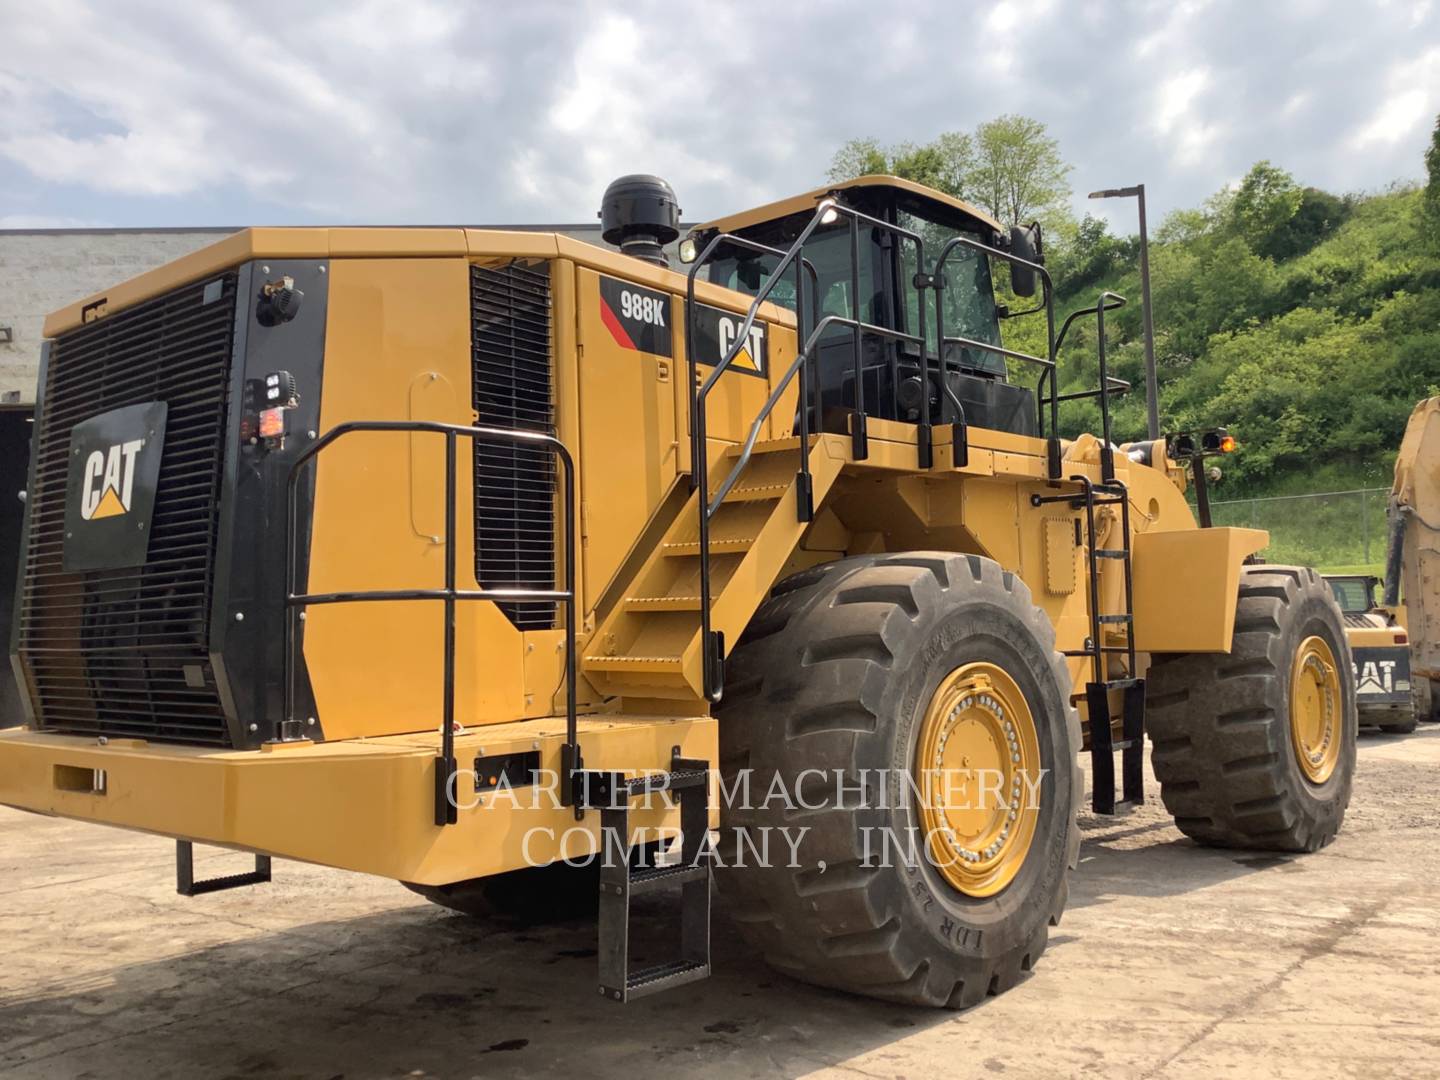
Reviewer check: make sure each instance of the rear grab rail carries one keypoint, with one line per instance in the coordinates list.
(296, 602)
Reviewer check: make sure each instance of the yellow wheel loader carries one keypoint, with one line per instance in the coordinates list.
(1413, 551)
(1385, 693)
(512, 568)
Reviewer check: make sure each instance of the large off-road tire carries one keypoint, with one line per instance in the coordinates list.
(848, 669)
(533, 895)
(1250, 752)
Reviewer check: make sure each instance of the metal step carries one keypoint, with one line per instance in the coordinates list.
(662, 603)
(1113, 620)
(186, 885)
(757, 493)
(652, 980)
(675, 780)
(654, 878)
(634, 663)
(1104, 746)
(690, 781)
(717, 547)
(1112, 553)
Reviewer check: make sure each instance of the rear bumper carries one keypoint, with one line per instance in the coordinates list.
(364, 805)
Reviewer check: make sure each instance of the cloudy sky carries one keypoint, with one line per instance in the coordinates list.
(207, 113)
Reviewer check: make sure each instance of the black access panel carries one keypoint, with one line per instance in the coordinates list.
(16, 424)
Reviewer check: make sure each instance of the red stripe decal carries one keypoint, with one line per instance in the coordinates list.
(612, 323)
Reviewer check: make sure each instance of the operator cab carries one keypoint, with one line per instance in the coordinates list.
(878, 288)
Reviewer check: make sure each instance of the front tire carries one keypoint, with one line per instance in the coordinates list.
(1255, 748)
(846, 674)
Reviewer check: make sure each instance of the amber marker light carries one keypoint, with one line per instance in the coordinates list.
(272, 423)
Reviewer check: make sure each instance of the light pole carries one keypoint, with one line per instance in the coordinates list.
(1152, 390)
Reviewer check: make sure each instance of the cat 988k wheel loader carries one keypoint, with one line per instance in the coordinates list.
(513, 568)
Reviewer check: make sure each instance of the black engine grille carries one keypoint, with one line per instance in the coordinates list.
(514, 485)
(125, 652)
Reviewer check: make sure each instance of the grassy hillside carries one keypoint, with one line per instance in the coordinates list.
(1307, 323)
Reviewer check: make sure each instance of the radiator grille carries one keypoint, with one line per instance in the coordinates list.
(125, 652)
(514, 485)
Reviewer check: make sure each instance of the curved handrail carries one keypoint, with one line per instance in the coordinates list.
(754, 434)
(1048, 304)
(294, 601)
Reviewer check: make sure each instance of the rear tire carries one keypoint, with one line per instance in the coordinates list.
(839, 672)
(1224, 748)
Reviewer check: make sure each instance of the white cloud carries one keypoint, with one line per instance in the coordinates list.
(1411, 99)
(440, 110)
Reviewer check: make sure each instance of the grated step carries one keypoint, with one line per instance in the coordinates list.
(651, 980)
(1111, 553)
(634, 663)
(757, 493)
(671, 781)
(662, 603)
(717, 547)
(662, 877)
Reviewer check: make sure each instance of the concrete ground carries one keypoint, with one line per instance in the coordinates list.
(1172, 961)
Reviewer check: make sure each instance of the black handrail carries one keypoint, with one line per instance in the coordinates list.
(445, 808)
(827, 212)
(754, 433)
(697, 426)
(1107, 450)
(1048, 362)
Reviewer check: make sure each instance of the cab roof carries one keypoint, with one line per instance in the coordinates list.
(798, 204)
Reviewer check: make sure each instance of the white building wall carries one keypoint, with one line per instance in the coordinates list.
(43, 270)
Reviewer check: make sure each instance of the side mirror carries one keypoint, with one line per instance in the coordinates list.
(1025, 243)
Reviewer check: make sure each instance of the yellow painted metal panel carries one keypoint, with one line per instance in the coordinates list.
(398, 347)
(628, 439)
(364, 806)
(1061, 554)
(1416, 492)
(1186, 586)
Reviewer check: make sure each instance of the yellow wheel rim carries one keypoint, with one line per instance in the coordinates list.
(1315, 700)
(978, 773)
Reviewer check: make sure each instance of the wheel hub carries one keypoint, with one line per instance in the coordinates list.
(977, 765)
(1315, 720)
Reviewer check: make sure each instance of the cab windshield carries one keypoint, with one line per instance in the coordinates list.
(883, 292)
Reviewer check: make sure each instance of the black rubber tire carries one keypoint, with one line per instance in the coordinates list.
(534, 895)
(835, 673)
(1220, 725)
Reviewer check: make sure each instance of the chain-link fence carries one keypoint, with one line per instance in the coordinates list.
(1334, 531)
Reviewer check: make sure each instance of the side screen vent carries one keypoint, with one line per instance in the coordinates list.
(513, 388)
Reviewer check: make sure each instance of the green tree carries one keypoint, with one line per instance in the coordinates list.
(1018, 172)
(858, 157)
(1010, 167)
(943, 164)
(1267, 199)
